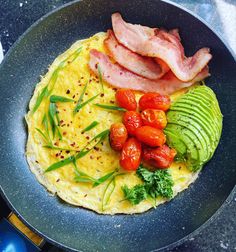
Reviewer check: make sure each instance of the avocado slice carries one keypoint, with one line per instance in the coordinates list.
(192, 154)
(194, 126)
(197, 119)
(202, 114)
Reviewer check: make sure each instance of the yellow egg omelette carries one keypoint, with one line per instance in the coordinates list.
(63, 123)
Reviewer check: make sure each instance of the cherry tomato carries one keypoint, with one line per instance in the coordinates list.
(126, 99)
(118, 136)
(154, 118)
(132, 120)
(131, 154)
(160, 157)
(154, 101)
(150, 136)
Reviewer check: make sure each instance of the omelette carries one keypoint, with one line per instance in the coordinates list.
(64, 122)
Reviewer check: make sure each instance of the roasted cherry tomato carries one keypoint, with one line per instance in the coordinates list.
(154, 118)
(154, 101)
(160, 157)
(150, 136)
(131, 154)
(118, 136)
(132, 120)
(126, 99)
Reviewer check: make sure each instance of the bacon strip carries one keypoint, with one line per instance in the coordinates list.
(173, 39)
(119, 77)
(140, 65)
(153, 46)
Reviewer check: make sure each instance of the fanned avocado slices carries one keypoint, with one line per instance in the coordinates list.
(194, 126)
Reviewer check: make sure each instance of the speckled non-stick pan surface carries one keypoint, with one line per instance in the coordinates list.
(78, 228)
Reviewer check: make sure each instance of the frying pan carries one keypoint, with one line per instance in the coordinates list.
(77, 228)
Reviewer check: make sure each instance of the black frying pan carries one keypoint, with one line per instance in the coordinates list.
(78, 228)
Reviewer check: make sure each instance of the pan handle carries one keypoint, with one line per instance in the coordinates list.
(15, 236)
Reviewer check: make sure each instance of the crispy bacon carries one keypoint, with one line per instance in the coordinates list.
(140, 65)
(119, 77)
(150, 45)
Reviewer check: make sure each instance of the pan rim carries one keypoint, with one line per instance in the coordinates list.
(171, 245)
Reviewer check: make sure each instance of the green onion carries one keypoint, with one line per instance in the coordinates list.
(55, 98)
(42, 134)
(52, 113)
(81, 154)
(51, 146)
(80, 98)
(100, 77)
(110, 107)
(104, 178)
(40, 98)
(91, 126)
(60, 164)
(81, 105)
(45, 92)
(45, 124)
(107, 195)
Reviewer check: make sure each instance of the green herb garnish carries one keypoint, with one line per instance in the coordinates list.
(134, 195)
(91, 126)
(157, 183)
(100, 77)
(110, 107)
(56, 98)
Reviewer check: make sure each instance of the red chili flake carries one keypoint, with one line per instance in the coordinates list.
(62, 157)
(64, 133)
(96, 148)
(73, 144)
(73, 96)
(64, 109)
(67, 152)
(114, 89)
(91, 157)
(57, 154)
(56, 143)
(102, 95)
(61, 121)
(87, 148)
(58, 180)
(80, 85)
(86, 93)
(68, 91)
(96, 65)
(112, 102)
(87, 137)
(68, 125)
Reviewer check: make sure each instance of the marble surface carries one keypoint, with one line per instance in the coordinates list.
(16, 16)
